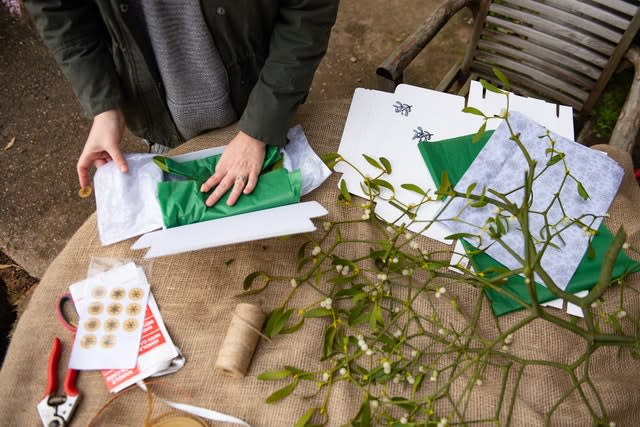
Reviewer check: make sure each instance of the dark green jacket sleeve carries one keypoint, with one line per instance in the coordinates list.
(75, 33)
(298, 43)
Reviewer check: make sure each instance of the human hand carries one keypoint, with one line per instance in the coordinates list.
(103, 144)
(239, 167)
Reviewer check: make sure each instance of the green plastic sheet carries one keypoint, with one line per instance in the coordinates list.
(182, 202)
(454, 156)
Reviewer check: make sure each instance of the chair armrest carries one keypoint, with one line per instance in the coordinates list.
(390, 71)
(626, 131)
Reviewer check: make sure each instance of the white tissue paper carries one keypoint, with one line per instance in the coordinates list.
(298, 154)
(126, 203)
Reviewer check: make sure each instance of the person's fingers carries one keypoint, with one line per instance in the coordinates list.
(238, 185)
(83, 170)
(251, 182)
(212, 181)
(219, 191)
(116, 156)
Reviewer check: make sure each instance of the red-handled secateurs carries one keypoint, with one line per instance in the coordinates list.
(55, 409)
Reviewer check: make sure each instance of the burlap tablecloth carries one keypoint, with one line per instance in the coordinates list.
(195, 292)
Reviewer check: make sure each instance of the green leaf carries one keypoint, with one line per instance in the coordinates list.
(479, 133)
(318, 312)
(404, 403)
(479, 203)
(283, 392)
(387, 165)
(161, 162)
(248, 281)
(302, 250)
(581, 191)
(276, 321)
(414, 188)
(329, 338)
(488, 86)
(418, 383)
(373, 162)
(457, 236)
(229, 262)
(445, 185)
(304, 419)
(358, 315)
(303, 262)
(474, 111)
(555, 159)
(294, 328)
(274, 375)
(344, 191)
(503, 79)
(330, 159)
(376, 318)
(382, 183)
(363, 418)
(470, 189)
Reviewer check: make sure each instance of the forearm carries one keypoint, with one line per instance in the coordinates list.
(298, 43)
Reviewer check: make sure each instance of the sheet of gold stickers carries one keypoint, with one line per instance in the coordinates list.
(111, 308)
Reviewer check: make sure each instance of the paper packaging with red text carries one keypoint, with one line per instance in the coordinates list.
(155, 353)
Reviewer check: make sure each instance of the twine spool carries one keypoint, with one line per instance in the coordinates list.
(239, 344)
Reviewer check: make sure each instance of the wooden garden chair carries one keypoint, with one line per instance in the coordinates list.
(563, 51)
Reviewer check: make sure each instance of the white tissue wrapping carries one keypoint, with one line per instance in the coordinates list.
(126, 203)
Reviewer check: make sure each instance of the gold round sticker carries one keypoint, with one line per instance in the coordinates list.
(130, 325)
(136, 293)
(118, 293)
(91, 324)
(88, 341)
(98, 292)
(108, 341)
(114, 309)
(95, 308)
(111, 325)
(133, 309)
(85, 192)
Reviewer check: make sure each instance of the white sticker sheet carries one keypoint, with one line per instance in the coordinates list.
(111, 308)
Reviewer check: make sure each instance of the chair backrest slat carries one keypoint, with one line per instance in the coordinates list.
(506, 51)
(559, 15)
(539, 50)
(527, 87)
(554, 29)
(540, 76)
(563, 50)
(591, 11)
(623, 6)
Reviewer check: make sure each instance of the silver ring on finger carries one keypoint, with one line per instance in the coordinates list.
(242, 179)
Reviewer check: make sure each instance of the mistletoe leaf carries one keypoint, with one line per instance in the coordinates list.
(373, 162)
(303, 421)
(344, 191)
(283, 392)
(387, 165)
(274, 375)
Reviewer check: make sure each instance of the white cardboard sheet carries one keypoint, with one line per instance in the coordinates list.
(382, 124)
(285, 220)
